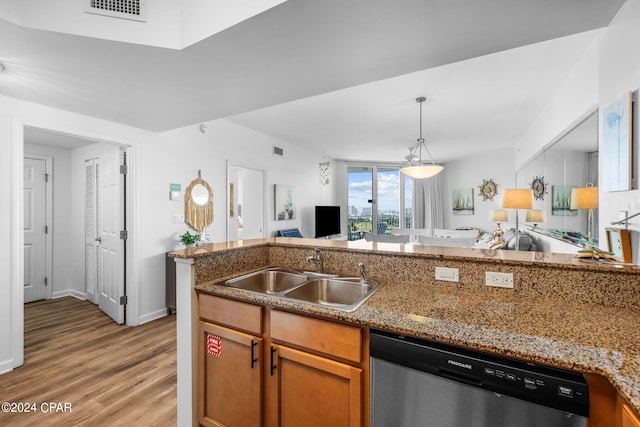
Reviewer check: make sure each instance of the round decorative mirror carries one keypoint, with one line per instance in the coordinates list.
(199, 194)
(198, 204)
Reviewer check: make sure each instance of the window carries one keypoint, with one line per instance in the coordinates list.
(380, 195)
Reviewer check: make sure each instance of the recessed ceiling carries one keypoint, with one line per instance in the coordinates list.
(300, 50)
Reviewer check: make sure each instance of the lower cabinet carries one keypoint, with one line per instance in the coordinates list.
(314, 391)
(230, 377)
(629, 419)
(260, 366)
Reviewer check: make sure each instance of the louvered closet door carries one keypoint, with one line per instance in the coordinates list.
(91, 233)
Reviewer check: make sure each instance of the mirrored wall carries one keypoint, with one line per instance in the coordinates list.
(569, 162)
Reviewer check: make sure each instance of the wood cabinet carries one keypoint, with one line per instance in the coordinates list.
(314, 389)
(262, 366)
(230, 370)
(607, 408)
(629, 419)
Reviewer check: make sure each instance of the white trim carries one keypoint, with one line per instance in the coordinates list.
(149, 317)
(70, 293)
(6, 366)
(16, 238)
(265, 190)
(48, 161)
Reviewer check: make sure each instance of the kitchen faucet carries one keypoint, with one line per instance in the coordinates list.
(363, 276)
(317, 260)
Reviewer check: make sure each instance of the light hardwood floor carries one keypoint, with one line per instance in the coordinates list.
(111, 375)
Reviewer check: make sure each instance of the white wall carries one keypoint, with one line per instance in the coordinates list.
(575, 99)
(619, 74)
(184, 151)
(172, 24)
(469, 173)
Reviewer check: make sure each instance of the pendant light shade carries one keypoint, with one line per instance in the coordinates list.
(416, 168)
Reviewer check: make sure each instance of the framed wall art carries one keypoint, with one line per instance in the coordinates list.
(285, 208)
(463, 201)
(561, 203)
(619, 241)
(616, 145)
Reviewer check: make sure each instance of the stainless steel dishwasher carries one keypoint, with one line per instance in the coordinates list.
(421, 383)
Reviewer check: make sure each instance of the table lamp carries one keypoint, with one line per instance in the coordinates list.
(585, 198)
(535, 216)
(517, 198)
(498, 216)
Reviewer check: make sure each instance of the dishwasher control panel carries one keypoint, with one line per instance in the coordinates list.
(555, 388)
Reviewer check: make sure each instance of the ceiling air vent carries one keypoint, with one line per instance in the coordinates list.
(278, 151)
(135, 10)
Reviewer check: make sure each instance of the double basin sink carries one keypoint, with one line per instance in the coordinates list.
(341, 293)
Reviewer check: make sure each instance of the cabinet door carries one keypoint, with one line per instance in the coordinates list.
(314, 391)
(628, 417)
(230, 377)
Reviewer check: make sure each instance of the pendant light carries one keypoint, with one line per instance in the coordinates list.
(416, 167)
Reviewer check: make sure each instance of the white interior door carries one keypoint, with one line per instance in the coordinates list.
(110, 246)
(34, 229)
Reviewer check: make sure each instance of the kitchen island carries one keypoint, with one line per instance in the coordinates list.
(562, 312)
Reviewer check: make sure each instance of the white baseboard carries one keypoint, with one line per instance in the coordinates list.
(6, 366)
(145, 318)
(69, 293)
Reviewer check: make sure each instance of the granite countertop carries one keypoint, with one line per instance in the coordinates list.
(582, 337)
(569, 261)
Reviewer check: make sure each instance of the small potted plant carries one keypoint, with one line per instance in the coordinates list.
(188, 239)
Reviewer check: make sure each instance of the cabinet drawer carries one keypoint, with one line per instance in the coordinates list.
(240, 315)
(319, 335)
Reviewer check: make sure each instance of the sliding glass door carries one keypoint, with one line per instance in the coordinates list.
(379, 200)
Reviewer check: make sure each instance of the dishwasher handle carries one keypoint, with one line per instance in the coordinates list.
(460, 377)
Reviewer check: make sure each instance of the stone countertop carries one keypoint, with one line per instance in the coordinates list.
(581, 337)
(522, 258)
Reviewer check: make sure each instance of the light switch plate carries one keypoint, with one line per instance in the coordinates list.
(447, 274)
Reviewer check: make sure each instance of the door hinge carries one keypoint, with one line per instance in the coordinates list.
(124, 169)
(46, 229)
(46, 280)
(123, 300)
(46, 177)
(124, 234)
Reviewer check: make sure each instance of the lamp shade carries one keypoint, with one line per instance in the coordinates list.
(498, 215)
(422, 171)
(517, 198)
(584, 198)
(535, 215)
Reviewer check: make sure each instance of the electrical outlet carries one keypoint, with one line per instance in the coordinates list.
(500, 280)
(178, 218)
(447, 274)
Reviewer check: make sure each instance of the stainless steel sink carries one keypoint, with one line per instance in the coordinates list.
(269, 281)
(341, 293)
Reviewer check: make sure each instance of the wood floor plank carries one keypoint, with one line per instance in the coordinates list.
(112, 375)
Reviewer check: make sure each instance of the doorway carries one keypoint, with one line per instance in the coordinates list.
(245, 202)
(100, 278)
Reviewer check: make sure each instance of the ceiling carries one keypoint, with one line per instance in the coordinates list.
(337, 77)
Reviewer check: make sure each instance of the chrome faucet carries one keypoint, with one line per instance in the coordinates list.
(317, 260)
(363, 275)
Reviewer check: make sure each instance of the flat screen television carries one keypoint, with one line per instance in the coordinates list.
(327, 220)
